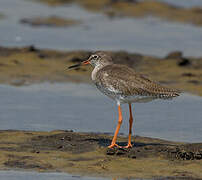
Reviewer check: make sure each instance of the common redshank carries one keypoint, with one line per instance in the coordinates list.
(124, 85)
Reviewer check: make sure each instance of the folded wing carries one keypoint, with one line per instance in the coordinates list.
(125, 80)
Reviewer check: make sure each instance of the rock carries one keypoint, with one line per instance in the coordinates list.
(174, 55)
(18, 82)
(188, 74)
(184, 62)
(32, 48)
(194, 82)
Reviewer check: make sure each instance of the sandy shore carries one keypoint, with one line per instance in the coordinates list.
(87, 154)
(21, 66)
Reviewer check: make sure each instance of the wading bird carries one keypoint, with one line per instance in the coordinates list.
(124, 85)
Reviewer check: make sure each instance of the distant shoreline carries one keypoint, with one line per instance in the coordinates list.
(28, 65)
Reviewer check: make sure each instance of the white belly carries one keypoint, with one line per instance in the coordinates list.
(121, 98)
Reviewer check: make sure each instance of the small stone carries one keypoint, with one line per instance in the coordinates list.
(110, 151)
(193, 81)
(120, 152)
(133, 157)
(198, 156)
(42, 56)
(60, 147)
(184, 62)
(174, 55)
(32, 48)
(188, 74)
(18, 82)
(17, 62)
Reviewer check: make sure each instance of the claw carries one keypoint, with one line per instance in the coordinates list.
(128, 146)
(114, 145)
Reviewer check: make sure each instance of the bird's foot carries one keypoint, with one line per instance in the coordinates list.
(128, 146)
(114, 145)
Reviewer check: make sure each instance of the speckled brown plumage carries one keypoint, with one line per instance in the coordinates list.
(129, 83)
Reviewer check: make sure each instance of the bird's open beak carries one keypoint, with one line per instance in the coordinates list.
(80, 64)
(86, 62)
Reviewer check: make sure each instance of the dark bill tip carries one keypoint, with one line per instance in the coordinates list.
(74, 66)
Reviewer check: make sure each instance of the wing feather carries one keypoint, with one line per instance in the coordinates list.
(125, 80)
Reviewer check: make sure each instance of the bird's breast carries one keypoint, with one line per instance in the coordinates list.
(121, 98)
(109, 91)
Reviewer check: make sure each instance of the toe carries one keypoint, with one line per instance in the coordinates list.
(114, 145)
(128, 146)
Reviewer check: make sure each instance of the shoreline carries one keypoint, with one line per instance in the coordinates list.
(135, 9)
(28, 65)
(87, 154)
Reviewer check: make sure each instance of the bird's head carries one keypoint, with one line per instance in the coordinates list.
(99, 58)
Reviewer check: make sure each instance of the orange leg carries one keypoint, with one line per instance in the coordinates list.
(113, 143)
(130, 128)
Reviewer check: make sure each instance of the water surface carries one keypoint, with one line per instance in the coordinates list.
(81, 107)
(20, 175)
(184, 3)
(146, 35)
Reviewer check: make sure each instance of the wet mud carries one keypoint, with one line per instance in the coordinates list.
(137, 9)
(24, 66)
(52, 21)
(88, 154)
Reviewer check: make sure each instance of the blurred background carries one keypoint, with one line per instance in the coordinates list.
(150, 27)
(40, 38)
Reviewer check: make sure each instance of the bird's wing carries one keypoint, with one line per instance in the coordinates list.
(125, 80)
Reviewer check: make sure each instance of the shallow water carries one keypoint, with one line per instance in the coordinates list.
(81, 107)
(148, 35)
(184, 3)
(19, 175)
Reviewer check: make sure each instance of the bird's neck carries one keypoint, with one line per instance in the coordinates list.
(95, 70)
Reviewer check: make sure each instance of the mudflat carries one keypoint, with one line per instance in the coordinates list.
(51, 21)
(21, 66)
(87, 154)
(137, 9)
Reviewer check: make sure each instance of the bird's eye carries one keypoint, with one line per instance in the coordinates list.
(94, 56)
